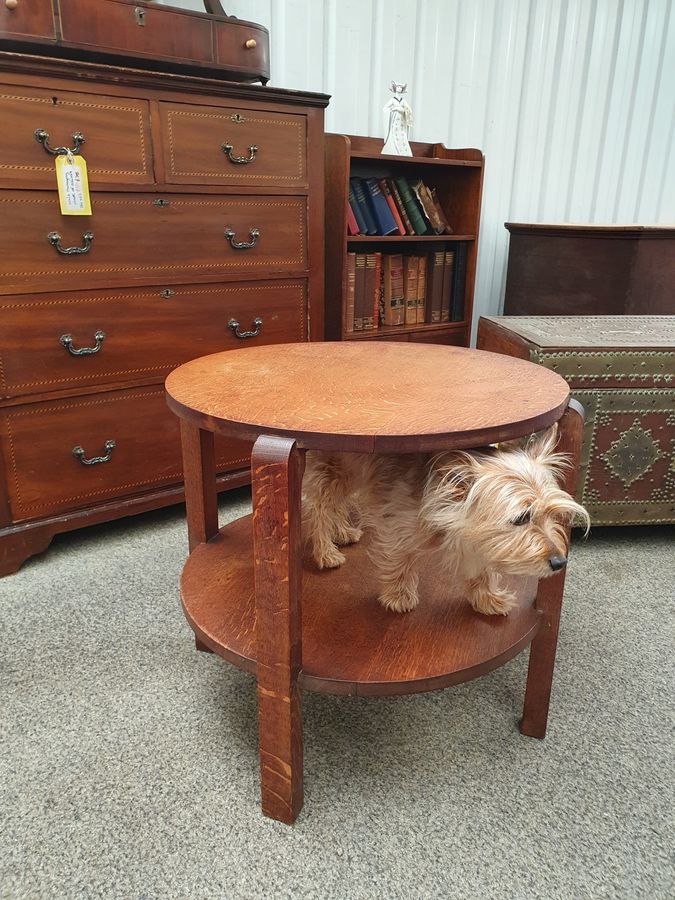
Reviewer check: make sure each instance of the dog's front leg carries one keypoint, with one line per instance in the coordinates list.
(326, 519)
(487, 595)
(399, 580)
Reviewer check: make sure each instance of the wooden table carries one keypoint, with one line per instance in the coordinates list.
(244, 589)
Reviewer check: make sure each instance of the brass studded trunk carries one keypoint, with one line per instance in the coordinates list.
(622, 369)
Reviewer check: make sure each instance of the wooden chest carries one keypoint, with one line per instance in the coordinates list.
(574, 270)
(147, 35)
(206, 234)
(622, 369)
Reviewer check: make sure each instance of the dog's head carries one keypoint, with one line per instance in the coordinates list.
(506, 506)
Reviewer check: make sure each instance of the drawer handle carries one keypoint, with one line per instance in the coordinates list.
(67, 341)
(42, 137)
(78, 453)
(254, 234)
(239, 160)
(234, 325)
(54, 239)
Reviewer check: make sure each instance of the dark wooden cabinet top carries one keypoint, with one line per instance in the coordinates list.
(591, 231)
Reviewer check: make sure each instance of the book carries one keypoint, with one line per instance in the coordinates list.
(359, 290)
(410, 271)
(421, 289)
(411, 206)
(379, 207)
(459, 283)
(407, 224)
(436, 264)
(362, 204)
(391, 203)
(369, 291)
(448, 281)
(352, 224)
(426, 202)
(379, 314)
(393, 312)
(440, 211)
(354, 206)
(377, 283)
(348, 323)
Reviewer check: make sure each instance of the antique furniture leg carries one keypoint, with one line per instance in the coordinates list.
(550, 594)
(199, 469)
(201, 497)
(276, 474)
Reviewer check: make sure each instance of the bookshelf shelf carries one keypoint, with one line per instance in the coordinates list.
(418, 160)
(456, 177)
(408, 238)
(395, 331)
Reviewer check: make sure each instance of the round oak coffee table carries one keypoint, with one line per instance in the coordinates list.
(245, 591)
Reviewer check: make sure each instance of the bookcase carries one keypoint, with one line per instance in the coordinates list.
(456, 177)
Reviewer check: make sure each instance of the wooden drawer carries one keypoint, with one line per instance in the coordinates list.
(233, 47)
(44, 477)
(146, 333)
(194, 137)
(134, 238)
(116, 132)
(115, 26)
(33, 20)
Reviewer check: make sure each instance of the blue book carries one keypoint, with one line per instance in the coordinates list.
(360, 221)
(380, 208)
(360, 194)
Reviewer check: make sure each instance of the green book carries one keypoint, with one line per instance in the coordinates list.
(410, 203)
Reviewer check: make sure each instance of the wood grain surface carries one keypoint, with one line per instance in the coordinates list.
(389, 397)
(276, 475)
(351, 644)
(550, 595)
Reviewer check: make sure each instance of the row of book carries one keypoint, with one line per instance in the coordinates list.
(405, 289)
(383, 206)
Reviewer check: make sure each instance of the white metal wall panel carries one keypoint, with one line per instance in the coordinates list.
(572, 101)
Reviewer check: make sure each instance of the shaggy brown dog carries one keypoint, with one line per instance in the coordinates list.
(485, 513)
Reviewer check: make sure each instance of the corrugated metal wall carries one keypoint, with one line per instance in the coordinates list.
(572, 101)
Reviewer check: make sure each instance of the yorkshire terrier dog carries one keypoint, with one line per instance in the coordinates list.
(485, 513)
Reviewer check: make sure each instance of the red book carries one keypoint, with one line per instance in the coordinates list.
(384, 187)
(352, 225)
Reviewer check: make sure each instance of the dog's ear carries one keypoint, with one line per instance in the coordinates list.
(544, 444)
(457, 472)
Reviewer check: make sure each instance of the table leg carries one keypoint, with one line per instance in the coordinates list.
(276, 475)
(550, 595)
(201, 496)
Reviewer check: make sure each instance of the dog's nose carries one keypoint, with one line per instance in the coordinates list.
(557, 562)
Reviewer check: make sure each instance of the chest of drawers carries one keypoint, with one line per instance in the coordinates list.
(206, 234)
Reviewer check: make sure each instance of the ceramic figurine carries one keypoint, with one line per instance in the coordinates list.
(398, 120)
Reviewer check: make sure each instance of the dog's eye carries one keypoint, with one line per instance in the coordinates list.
(522, 519)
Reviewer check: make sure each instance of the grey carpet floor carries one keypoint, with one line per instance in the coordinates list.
(129, 761)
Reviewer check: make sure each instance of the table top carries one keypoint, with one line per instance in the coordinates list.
(597, 332)
(366, 397)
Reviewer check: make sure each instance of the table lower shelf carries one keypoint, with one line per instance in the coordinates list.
(351, 644)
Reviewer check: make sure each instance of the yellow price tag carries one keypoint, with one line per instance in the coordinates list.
(73, 185)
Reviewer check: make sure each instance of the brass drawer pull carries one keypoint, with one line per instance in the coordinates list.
(254, 234)
(239, 160)
(67, 341)
(54, 239)
(234, 325)
(78, 453)
(42, 137)
(166, 293)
